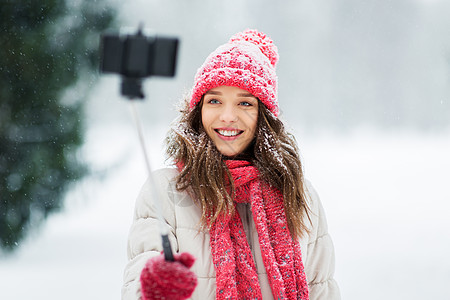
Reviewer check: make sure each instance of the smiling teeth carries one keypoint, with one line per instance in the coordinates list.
(228, 132)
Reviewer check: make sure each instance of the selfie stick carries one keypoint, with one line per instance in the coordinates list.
(154, 188)
(136, 56)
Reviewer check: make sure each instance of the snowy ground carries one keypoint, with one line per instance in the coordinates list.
(386, 197)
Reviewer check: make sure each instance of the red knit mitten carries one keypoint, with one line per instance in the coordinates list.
(161, 279)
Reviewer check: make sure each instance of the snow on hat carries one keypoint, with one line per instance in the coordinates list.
(248, 62)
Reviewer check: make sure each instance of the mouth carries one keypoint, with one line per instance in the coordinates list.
(228, 133)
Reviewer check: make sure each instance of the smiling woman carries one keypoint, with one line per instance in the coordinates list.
(243, 221)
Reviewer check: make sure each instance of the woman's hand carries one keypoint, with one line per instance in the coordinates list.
(161, 279)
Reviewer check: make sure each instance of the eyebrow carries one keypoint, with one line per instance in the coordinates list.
(239, 95)
(213, 93)
(246, 95)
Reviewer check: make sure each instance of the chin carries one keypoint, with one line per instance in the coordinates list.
(229, 154)
(232, 154)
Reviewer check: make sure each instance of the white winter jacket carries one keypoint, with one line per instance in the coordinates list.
(183, 218)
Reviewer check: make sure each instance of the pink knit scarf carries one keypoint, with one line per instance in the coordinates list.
(236, 275)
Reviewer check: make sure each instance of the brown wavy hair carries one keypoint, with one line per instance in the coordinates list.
(204, 174)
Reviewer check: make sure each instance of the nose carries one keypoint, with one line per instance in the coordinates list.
(228, 114)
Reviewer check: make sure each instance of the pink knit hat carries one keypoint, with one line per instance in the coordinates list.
(248, 62)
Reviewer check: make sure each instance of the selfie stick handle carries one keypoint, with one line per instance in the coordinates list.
(168, 255)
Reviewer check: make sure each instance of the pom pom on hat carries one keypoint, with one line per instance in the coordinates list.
(264, 43)
(247, 61)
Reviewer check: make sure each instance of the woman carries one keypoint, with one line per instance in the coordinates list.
(245, 222)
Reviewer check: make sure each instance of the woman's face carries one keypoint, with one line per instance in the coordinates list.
(229, 116)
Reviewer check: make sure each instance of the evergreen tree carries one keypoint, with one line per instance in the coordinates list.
(45, 48)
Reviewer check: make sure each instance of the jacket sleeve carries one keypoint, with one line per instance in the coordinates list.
(144, 239)
(320, 261)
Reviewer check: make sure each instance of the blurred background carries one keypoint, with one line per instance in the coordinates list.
(363, 85)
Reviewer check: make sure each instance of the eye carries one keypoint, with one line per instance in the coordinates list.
(245, 103)
(213, 101)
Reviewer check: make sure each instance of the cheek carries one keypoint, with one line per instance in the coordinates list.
(203, 115)
(207, 119)
(252, 121)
